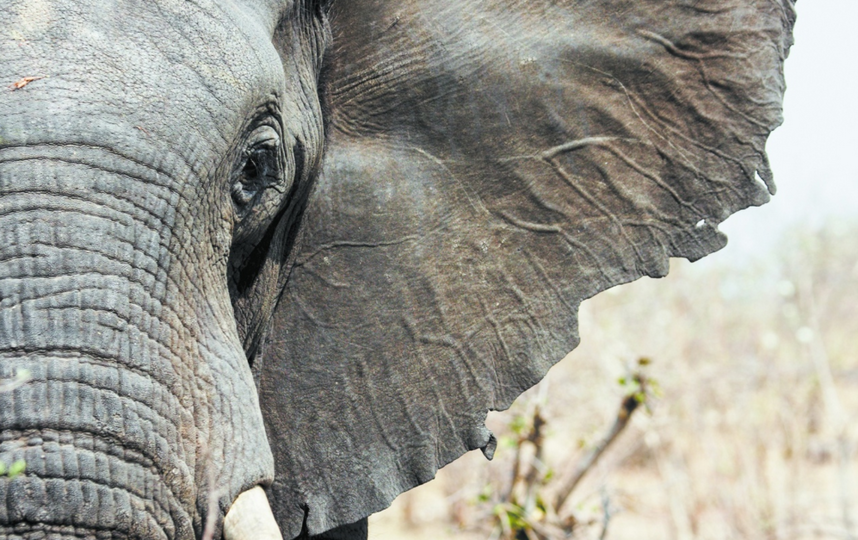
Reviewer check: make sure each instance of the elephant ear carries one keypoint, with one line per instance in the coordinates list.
(491, 164)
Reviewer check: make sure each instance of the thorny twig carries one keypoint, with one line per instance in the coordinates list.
(213, 497)
(607, 513)
(522, 511)
(628, 406)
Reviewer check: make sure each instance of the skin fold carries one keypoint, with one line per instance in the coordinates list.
(161, 148)
(307, 246)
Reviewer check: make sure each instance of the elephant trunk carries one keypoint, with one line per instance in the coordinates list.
(101, 423)
(107, 422)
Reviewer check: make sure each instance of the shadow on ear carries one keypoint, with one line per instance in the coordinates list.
(488, 169)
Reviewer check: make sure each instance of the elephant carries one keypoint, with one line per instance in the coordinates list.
(269, 263)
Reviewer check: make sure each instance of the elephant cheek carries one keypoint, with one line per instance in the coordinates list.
(130, 419)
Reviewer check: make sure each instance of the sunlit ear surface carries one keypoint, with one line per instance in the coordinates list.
(488, 169)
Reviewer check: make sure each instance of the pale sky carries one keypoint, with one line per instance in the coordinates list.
(814, 154)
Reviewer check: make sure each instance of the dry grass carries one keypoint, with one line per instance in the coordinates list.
(752, 438)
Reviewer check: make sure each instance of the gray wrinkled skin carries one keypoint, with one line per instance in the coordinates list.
(125, 287)
(205, 305)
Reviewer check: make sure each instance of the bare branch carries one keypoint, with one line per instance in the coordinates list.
(628, 406)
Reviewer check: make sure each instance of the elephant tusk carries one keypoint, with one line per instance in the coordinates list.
(250, 518)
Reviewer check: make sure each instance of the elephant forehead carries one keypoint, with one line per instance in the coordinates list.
(155, 65)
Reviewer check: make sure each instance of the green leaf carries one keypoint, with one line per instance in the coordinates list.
(507, 442)
(486, 494)
(17, 468)
(655, 388)
(518, 424)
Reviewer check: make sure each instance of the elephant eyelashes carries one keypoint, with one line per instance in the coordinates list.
(322, 7)
(261, 168)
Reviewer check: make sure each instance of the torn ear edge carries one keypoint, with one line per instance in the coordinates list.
(433, 285)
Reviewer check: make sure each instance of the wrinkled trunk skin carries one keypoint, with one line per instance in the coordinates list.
(122, 426)
(141, 414)
(106, 425)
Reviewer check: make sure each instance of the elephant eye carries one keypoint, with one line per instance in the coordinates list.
(260, 169)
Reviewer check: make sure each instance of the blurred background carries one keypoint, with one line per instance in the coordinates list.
(730, 387)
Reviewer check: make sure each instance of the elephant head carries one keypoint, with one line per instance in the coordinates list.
(206, 304)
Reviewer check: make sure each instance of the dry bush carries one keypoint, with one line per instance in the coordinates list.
(752, 438)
